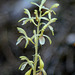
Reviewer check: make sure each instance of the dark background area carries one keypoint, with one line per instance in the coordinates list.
(59, 57)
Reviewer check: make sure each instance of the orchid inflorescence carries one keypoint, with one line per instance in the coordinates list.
(38, 36)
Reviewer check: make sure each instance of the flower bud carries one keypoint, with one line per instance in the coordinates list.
(28, 72)
(53, 20)
(54, 6)
(41, 63)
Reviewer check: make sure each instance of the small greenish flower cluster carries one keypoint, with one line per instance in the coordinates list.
(38, 37)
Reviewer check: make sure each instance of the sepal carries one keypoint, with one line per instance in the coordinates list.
(27, 12)
(48, 38)
(41, 5)
(19, 39)
(25, 21)
(22, 19)
(45, 13)
(44, 72)
(22, 31)
(28, 72)
(44, 18)
(51, 28)
(34, 4)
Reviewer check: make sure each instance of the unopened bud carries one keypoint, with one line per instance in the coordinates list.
(54, 6)
(28, 72)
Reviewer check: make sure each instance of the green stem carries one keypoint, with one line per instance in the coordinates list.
(36, 48)
(36, 53)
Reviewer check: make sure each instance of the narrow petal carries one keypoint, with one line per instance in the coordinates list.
(48, 38)
(22, 31)
(19, 39)
(22, 19)
(24, 58)
(49, 15)
(34, 4)
(27, 42)
(31, 40)
(33, 22)
(25, 21)
(53, 12)
(44, 72)
(51, 28)
(43, 7)
(27, 12)
(44, 18)
(42, 2)
(45, 13)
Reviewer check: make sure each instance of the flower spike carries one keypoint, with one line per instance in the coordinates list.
(38, 35)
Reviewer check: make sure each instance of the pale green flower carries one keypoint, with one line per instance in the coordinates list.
(48, 11)
(25, 20)
(23, 37)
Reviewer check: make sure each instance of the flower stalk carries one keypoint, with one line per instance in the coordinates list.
(38, 36)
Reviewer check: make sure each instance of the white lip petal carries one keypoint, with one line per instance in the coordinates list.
(42, 40)
(23, 66)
